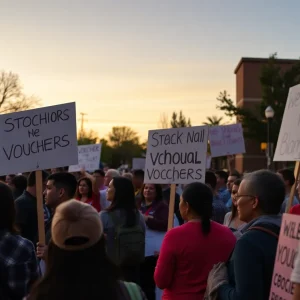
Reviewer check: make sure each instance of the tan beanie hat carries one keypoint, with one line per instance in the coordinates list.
(76, 226)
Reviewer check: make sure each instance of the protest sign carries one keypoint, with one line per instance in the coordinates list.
(282, 287)
(88, 158)
(38, 139)
(176, 155)
(226, 140)
(288, 144)
(138, 163)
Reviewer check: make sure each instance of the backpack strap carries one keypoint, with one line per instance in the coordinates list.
(264, 230)
(133, 291)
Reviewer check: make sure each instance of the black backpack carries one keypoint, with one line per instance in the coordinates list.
(129, 242)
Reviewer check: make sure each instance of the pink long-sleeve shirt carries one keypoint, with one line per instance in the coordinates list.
(187, 256)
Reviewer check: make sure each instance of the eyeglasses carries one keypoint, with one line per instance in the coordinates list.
(238, 197)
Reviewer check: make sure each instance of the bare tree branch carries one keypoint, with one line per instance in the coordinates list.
(163, 122)
(12, 98)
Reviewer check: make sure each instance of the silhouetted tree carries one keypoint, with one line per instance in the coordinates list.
(275, 84)
(180, 120)
(213, 121)
(12, 98)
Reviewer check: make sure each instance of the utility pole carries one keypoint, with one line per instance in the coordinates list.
(82, 124)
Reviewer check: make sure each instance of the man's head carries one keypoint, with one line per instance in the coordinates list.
(287, 176)
(260, 193)
(128, 176)
(60, 188)
(138, 179)
(211, 180)
(99, 176)
(110, 174)
(222, 177)
(231, 179)
(31, 182)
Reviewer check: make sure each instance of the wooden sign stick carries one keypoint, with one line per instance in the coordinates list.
(40, 207)
(292, 194)
(171, 206)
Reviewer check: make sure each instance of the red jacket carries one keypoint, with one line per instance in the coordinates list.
(94, 201)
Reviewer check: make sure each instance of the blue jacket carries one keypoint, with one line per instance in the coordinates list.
(251, 266)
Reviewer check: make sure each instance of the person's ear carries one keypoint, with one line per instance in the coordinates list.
(61, 193)
(255, 203)
(187, 207)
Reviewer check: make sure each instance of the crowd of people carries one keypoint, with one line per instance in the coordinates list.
(107, 238)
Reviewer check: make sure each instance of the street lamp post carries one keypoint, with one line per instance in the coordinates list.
(269, 113)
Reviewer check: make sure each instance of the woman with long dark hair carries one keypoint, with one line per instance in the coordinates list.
(231, 219)
(18, 262)
(88, 192)
(155, 212)
(123, 215)
(77, 266)
(190, 251)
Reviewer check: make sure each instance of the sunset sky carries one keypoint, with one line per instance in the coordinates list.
(127, 62)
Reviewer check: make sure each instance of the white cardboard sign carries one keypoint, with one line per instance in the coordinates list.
(38, 139)
(226, 140)
(176, 155)
(88, 158)
(287, 249)
(288, 144)
(138, 163)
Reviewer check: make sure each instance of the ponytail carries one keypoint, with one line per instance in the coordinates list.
(200, 198)
(205, 222)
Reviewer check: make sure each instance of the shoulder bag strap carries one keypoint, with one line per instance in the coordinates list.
(264, 230)
(133, 291)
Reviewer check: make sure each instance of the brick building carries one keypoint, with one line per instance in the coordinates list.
(248, 95)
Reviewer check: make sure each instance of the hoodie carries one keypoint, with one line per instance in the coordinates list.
(250, 268)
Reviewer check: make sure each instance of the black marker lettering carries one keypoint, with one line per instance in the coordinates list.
(154, 160)
(34, 120)
(154, 137)
(7, 122)
(10, 153)
(64, 139)
(66, 115)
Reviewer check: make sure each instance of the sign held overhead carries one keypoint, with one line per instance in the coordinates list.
(38, 139)
(176, 155)
(288, 144)
(88, 158)
(226, 140)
